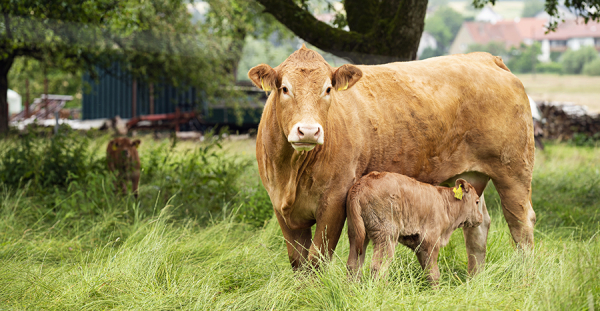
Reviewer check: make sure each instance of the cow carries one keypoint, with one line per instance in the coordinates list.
(388, 208)
(435, 120)
(122, 157)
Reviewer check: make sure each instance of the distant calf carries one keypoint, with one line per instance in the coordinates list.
(395, 208)
(122, 157)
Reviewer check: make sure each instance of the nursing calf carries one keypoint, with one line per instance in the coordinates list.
(122, 157)
(388, 208)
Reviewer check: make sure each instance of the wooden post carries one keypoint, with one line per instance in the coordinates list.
(151, 90)
(46, 94)
(26, 98)
(133, 97)
(177, 114)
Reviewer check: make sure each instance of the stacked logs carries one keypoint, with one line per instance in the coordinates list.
(564, 120)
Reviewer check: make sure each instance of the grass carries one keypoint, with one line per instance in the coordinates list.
(578, 89)
(151, 256)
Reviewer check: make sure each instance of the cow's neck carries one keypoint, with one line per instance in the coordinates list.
(455, 211)
(288, 164)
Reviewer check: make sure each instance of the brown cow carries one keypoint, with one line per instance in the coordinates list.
(436, 120)
(122, 156)
(388, 208)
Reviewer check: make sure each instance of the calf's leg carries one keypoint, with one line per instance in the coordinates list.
(383, 254)
(427, 254)
(476, 240)
(297, 242)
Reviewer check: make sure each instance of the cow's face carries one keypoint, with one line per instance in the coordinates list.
(474, 216)
(304, 88)
(123, 150)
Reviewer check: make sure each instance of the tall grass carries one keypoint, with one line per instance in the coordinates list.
(150, 255)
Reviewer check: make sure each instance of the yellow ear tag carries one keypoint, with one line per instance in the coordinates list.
(114, 148)
(263, 86)
(343, 88)
(458, 193)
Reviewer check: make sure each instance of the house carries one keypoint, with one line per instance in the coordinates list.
(427, 41)
(487, 14)
(572, 34)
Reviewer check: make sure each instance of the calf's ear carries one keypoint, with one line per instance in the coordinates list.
(264, 77)
(136, 143)
(345, 76)
(461, 182)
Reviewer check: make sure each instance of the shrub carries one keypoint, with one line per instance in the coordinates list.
(47, 163)
(573, 61)
(592, 68)
(523, 59)
(550, 67)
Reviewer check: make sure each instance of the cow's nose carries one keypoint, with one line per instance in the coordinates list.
(309, 133)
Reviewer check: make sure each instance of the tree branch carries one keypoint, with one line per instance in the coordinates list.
(307, 27)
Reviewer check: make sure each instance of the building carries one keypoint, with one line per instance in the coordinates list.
(572, 34)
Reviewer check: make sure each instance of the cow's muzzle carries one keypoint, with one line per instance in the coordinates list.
(305, 137)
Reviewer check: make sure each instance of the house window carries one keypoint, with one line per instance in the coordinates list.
(558, 43)
(597, 42)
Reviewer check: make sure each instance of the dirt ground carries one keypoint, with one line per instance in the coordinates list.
(578, 89)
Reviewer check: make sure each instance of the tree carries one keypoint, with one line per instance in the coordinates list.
(443, 25)
(524, 58)
(153, 40)
(532, 7)
(380, 31)
(574, 61)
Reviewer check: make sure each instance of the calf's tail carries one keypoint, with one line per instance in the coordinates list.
(354, 216)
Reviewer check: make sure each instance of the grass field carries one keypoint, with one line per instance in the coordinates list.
(149, 255)
(578, 89)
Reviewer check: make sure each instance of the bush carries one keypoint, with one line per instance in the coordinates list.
(523, 59)
(550, 67)
(592, 68)
(47, 163)
(573, 61)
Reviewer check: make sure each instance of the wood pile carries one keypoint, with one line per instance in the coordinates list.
(561, 121)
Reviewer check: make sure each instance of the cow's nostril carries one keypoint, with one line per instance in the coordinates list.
(300, 132)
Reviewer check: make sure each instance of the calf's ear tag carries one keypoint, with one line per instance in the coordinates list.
(343, 88)
(458, 193)
(114, 148)
(266, 89)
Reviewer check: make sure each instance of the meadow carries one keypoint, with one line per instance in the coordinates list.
(203, 237)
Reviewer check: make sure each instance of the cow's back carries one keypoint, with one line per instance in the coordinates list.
(418, 117)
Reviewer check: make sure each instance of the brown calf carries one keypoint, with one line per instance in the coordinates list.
(388, 208)
(122, 157)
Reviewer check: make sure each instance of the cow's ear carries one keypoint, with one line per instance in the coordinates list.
(461, 183)
(264, 77)
(136, 143)
(345, 77)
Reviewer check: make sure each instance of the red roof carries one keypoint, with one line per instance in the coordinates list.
(513, 32)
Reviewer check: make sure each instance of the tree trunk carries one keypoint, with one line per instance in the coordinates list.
(381, 31)
(5, 65)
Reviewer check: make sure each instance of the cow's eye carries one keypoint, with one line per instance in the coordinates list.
(285, 90)
(328, 90)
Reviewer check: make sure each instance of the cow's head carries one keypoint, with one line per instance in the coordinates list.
(304, 86)
(124, 149)
(470, 199)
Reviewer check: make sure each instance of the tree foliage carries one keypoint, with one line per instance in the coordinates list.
(574, 61)
(153, 40)
(443, 25)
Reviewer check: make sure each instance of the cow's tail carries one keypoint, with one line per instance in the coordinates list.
(353, 210)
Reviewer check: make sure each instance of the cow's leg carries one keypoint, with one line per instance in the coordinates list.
(330, 223)
(515, 196)
(355, 261)
(383, 254)
(427, 254)
(476, 240)
(135, 179)
(297, 242)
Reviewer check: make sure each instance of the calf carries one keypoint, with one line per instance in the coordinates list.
(395, 208)
(122, 157)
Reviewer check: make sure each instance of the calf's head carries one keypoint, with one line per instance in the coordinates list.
(470, 199)
(123, 150)
(303, 89)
